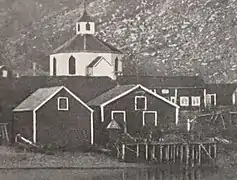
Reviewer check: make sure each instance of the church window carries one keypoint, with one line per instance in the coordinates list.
(78, 27)
(54, 66)
(88, 27)
(72, 65)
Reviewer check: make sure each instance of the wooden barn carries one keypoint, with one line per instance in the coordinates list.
(54, 116)
(186, 91)
(132, 107)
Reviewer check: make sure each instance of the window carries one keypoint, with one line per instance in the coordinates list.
(116, 65)
(72, 65)
(78, 27)
(172, 99)
(149, 118)
(63, 103)
(165, 91)
(4, 73)
(54, 66)
(184, 101)
(211, 99)
(88, 27)
(140, 103)
(196, 101)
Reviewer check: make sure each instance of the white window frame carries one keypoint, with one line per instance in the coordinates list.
(63, 109)
(173, 99)
(135, 104)
(4, 73)
(124, 118)
(165, 91)
(184, 104)
(143, 117)
(196, 100)
(208, 99)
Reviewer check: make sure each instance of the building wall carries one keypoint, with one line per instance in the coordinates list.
(83, 59)
(103, 68)
(23, 124)
(70, 128)
(166, 113)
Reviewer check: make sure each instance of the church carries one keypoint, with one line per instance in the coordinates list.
(85, 54)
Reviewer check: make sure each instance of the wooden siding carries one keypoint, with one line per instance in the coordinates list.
(134, 118)
(23, 124)
(70, 128)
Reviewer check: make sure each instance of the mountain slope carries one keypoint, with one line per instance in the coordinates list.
(161, 37)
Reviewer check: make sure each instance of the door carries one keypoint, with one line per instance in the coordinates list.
(120, 118)
(149, 119)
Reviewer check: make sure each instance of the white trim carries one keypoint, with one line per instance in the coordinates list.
(176, 95)
(135, 102)
(176, 116)
(145, 89)
(67, 105)
(209, 96)
(92, 127)
(102, 113)
(143, 117)
(196, 100)
(102, 58)
(124, 118)
(165, 91)
(186, 99)
(234, 97)
(34, 127)
(205, 96)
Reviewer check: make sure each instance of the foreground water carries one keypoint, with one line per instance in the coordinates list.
(119, 174)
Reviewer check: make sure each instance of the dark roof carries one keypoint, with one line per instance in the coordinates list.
(35, 99)
(93, 44)
(95, 61)
(112, 93)
(85, 17)
(162, 81)
(224, 89)
(14, 91)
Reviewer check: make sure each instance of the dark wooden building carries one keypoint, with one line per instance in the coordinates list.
(132, 107)
(54, 116)
(186, 91)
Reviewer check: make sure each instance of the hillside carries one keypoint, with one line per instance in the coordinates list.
(160, 37)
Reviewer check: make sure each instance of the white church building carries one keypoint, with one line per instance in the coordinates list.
(86, 55)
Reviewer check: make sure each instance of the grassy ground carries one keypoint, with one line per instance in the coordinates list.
(10, 158)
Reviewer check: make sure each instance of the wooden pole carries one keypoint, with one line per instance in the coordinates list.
(193, 155)
(168, 153)
(181, 153)
(199, 155)
(215, 150)
(174, 153)
(123, 151)
(153, 151)
(210, 149)
(138, 151)
(146, 151)
(161, 154)
(187, 154)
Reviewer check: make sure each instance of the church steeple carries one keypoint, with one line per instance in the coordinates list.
(85, 25)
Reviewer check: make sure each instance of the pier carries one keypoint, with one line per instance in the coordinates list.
(188, 154)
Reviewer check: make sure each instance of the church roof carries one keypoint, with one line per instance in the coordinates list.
(85, 17)
(95, 61)
(86, 43)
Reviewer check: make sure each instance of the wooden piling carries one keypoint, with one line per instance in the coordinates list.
(174, 153)
(123, 151)
(199, 154)
(187, 154)
(153, 151)
(193, 155)
(215, 150)
(181, 153)
(168, 153)
(161, 154)
(146, 151)
(138, 151)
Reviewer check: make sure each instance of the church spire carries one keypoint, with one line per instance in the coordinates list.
(85, 25)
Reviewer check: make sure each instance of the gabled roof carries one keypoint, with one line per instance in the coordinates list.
(85, 17)
(113, 125)
(163, 81)
(96, 61)
(37, 98)
(43, 95)
(120, 91)
(116, 91)
(93, 44)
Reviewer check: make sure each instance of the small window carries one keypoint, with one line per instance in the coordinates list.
(63, 103)
(4, 73)
(72, 65)
(165, 91)
(184, 101)
(149, 118)
(211, 99)
(196, 101)
(54, 66)
(116, 65)
(172, 99)
(140, 103)
(78, 27)
(88, 26)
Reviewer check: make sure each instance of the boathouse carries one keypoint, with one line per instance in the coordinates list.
(54, 116)
(132, 107)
